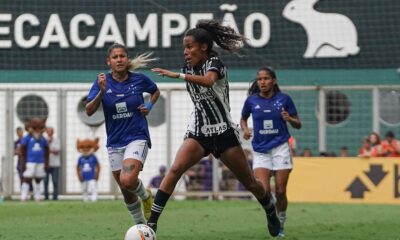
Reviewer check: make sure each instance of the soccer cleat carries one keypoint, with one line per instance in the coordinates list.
(281, 233)
(152, 226)
(147, 204)
(274, 225)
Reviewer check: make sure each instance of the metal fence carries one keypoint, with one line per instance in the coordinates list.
(332, 117)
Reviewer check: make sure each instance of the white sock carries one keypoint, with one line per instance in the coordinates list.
(136, 211)
(24, 191)
(141, 191)
(36, 190)
(282, 218)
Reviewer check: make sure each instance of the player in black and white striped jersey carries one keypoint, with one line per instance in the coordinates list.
(210, 129)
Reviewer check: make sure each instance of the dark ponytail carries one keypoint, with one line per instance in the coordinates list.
(210, 31)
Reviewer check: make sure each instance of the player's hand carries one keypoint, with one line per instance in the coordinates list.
(247, 134)
(164, 72)
(285, 115)
(101, 81)
(145, 108)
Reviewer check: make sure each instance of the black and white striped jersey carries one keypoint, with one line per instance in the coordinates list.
(211, 115)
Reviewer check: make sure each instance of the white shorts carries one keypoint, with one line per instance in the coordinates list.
(137, 150)
(278, 158)
(34, 170)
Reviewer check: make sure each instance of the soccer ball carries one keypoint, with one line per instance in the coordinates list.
(140, 232)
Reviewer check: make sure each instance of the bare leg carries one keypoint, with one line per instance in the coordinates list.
(235, 159)
(281, 180)
(188, 155)
(264, 176)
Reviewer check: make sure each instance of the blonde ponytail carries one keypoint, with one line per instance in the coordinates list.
(141, 61)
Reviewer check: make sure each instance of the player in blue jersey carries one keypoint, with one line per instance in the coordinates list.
(128, 139)
(34, 158)
(271, 110)
(211, 129)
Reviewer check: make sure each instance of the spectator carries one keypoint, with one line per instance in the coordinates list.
(365, 149)
(228, 179)
(390, 146)
(34, 158)
(156, 180)
(206, 172)
(307, 152)
(17, 151)
(375, 145)
(344, 152)
(54, 164)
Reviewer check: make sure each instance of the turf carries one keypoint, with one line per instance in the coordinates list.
(197, 220)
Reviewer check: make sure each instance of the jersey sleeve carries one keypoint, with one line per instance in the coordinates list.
(216, 65)
(149, 85)
(290, 107)
(246, 110)
(94, 90)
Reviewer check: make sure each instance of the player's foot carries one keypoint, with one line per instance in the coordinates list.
(147, 204)
(152, 226)
(281, 233)
(274, 225)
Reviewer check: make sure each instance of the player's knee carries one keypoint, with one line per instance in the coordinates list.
(251, 186)
(280, 192)
(129, 182)
(176, 171)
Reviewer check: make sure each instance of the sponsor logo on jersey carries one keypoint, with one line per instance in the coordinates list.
(122, 111)
(269, 131)
(121, 107)
(257, 107)
(268, 124)
(109, 90)
(214, 128)
(202, 95)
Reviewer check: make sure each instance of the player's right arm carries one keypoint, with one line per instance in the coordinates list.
(94, 104)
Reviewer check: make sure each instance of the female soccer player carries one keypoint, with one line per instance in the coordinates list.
(128, 139)
(210, 129)
(270, 110)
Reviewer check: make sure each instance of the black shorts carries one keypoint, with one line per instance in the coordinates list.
(219, 143)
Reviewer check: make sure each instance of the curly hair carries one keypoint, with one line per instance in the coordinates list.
(210, 31)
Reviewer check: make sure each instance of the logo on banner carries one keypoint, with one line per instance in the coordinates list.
(376, 174)
(330, 35)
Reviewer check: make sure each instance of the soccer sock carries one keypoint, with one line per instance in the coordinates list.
(24, 191)
(141, 191)
(36, 190)
(136, 211)
(158, 205)
(282, 218)
(266, 203)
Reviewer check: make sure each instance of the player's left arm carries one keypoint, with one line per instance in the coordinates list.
(289, 114)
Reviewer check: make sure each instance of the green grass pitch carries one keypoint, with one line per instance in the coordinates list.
(197, 220)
